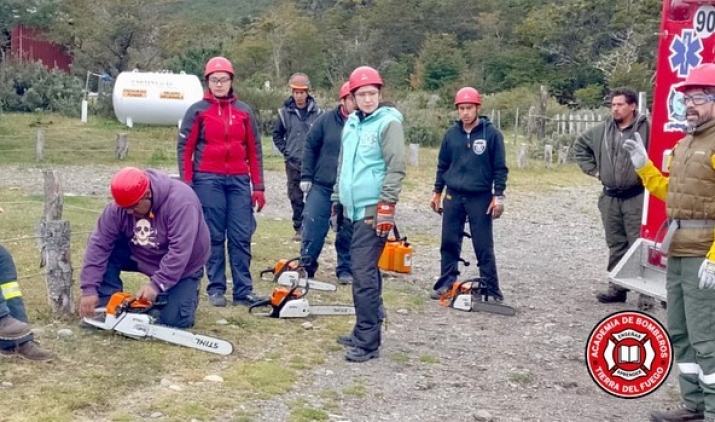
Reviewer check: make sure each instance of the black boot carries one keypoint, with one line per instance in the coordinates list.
(614, 294)
(679, 414)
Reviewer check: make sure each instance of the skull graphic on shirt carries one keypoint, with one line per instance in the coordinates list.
(144, 234)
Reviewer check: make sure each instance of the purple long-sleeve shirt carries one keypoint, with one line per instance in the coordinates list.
(169, 244)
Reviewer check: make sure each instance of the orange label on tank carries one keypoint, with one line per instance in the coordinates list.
(134, 93)
(171, 95)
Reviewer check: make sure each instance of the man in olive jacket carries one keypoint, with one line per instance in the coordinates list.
(599, 153)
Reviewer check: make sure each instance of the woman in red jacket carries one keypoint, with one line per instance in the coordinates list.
(220, 155)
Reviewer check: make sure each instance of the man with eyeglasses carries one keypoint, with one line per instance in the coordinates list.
(599, 154)
(294, 121)
(689, 195)
(155, 226)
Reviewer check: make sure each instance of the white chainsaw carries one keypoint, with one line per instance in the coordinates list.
(132, 318)
(289, 271)
(291, 303)
(470, 296)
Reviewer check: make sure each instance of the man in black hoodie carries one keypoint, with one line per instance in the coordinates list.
(472, 166)
(319, 171)
(294, 121)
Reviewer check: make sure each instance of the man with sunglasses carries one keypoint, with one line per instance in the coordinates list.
(154, 226)
(689, 195)
(599, 154)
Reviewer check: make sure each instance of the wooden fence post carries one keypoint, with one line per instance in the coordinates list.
(414, 159)
(55, 248)
(563, 156)
(122, 146)
(40, 145)
(516, 126)
(531, 124)
(522, 155)
(543, 100)
(549, 155)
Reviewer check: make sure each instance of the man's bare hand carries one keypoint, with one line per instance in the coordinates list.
(147, 292)
(87, 305)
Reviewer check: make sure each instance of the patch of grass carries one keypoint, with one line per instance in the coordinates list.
(357, 390)
(400, 358)
(329, 394)
(428, 359)
(521, 377)
(308, 415)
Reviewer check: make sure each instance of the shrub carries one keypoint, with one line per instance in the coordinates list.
(425, 122)
(28, 86)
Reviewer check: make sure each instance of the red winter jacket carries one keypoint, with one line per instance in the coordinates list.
(217, 136)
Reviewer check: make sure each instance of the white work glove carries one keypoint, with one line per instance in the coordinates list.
(305, 185)
(707, 275)
(639, 156)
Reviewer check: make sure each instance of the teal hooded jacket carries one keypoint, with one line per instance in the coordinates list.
(372, 162)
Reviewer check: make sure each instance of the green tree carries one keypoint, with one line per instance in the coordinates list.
(442, 62)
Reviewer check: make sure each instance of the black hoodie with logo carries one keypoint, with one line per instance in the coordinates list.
(472, 162)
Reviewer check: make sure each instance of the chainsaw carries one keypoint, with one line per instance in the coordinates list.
(291, 303)
(470, 296)
(289, 271)
(136, 318)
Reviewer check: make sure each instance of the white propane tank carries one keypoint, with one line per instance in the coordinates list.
(154, 98)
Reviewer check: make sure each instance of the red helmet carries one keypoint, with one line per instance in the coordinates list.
(218, 64)
(128, 186)
(467, 95)
(703, 75)
(344, 90)
(363, 76)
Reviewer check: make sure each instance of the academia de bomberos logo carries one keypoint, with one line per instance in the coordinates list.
(629, 354)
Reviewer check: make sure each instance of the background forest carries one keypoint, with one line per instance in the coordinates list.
(423, 48)
(576, 47)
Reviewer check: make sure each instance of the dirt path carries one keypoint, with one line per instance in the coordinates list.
(444, 365)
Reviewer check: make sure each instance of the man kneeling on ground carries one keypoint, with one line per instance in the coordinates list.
(154, 226)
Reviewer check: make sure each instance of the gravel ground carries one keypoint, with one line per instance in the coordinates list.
(444, 365)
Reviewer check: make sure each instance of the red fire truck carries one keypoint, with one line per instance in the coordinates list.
(686, 39)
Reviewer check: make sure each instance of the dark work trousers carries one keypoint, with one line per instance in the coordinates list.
(11, 302)
(295, 194)
(456, 208)
(226, 201)
(316, 222)
(181, 300)
(622, 223)
(365, 251)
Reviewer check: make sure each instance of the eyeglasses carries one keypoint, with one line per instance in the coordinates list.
(698, 99)
(366, 94)
(217, 81)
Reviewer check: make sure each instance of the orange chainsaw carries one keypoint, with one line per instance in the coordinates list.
(470, 295)
(136, 318)
(290, 302)
(289, 271)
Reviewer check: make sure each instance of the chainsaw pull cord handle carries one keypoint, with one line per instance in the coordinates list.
(260, 304)
(266, 271)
